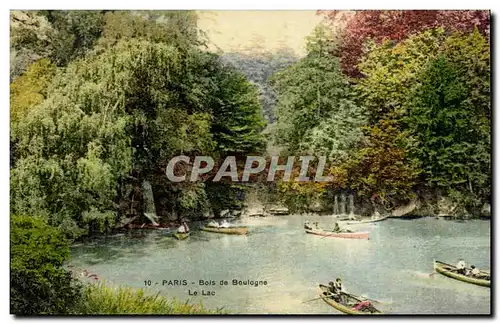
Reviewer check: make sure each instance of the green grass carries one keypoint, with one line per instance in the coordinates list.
(100, 299)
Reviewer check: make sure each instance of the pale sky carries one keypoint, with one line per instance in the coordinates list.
(241, 31)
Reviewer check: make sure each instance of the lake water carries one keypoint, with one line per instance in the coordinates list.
(393, 266)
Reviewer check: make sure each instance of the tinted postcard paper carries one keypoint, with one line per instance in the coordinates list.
(250, 162)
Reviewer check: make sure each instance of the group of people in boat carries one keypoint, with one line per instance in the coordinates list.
(338, 293)
(184, 228)
(222, 224)
(473, 271)
(310, 226)
(336, 229)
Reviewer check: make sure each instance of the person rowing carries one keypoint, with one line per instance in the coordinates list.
(475, 272)
(337, 228)
(307, 225)
(183, 228)
(461, 267)
(337, 290)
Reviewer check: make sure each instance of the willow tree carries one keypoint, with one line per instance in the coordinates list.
(126, 112)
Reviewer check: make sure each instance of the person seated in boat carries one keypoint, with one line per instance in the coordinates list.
(331, 288)
(213, 224)
(365, 306)
(475, 272)
(338, 291)
(307, 226)
(183, 228)
(461, 267)
(337, 228)
(316, 225)
(224, 224)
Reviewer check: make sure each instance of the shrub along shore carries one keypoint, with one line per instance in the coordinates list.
(41, 285)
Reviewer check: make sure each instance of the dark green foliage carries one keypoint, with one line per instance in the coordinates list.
(451, 130)
(73, 33)
(38, 282)
(316, 109)
(238, 120)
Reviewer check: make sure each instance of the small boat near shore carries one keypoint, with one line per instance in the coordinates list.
(181, 236)
(242, 230)
(278, 211)
(451, 271)
(347, 235)
(350, 302)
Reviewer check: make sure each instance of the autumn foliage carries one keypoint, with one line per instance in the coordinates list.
(397, 25)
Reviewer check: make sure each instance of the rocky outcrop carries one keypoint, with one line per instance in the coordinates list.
(446, 207)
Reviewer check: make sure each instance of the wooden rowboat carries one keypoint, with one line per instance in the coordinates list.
(450, 271)
(349, 302)
(181, 236)
(352, 235)
(226, 230)
(364, 221)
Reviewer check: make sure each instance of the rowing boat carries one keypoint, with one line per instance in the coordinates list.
(349, 302)
(226, 230)
(181, 236)
(348, 235)
(450, 271)
(364, 221)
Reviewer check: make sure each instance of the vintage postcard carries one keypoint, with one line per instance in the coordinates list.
(317, 162)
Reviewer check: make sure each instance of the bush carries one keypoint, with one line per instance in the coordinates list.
(99, 299)
(39, 284)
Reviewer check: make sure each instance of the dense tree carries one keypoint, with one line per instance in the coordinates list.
(30, 89)
(390, 71)
(316, 109)
(382, 170)
(65, 35)
(39, 285)
(396, 25)
(317, 114)
(449, 117)
(117, 112)
(174, 27)
(73, 33)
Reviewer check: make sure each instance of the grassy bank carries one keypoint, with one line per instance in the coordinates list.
(101, 299)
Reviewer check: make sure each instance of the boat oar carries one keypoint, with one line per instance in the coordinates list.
(317, 298)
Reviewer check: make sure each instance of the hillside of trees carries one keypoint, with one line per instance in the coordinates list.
(400, 103)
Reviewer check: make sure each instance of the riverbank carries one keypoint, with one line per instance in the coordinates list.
(101, 299)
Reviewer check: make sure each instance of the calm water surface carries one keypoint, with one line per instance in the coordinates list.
(392, 267)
